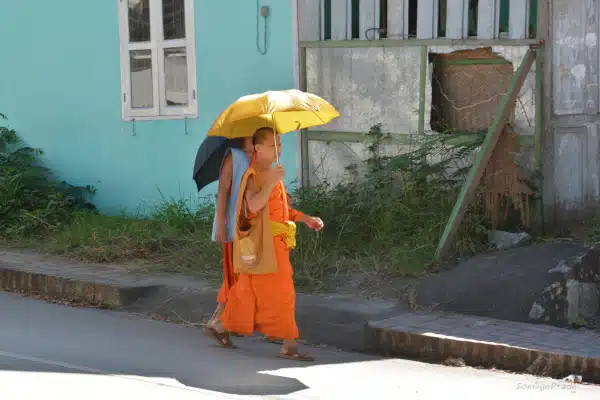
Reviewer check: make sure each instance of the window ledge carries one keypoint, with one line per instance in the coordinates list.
(160, 118)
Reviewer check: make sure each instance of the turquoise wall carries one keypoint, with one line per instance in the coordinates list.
(60, 88)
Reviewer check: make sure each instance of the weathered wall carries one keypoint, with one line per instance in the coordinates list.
(572, 143)
(381, 85)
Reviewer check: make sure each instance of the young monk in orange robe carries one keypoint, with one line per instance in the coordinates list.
(266, 303)
(230, 171)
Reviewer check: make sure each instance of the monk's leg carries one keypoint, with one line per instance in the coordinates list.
(215, 316)
(276, 303)
(228, 281)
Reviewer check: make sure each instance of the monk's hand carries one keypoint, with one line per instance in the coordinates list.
(275, 174)
(314, 223)
(221, 232)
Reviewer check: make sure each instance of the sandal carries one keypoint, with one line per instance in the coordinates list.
(222, 339)
(294, 354)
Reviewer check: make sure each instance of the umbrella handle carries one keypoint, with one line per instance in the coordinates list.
(276, 149)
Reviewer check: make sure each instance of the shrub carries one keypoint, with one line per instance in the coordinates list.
(389, 221)
(32, 201)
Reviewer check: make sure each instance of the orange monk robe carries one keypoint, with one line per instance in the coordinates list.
(266, 303)
(229, 277)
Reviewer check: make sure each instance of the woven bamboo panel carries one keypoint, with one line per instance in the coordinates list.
(503, 182)
(465, 97)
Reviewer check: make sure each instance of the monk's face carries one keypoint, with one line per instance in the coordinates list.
(247, 145)
(267, 152)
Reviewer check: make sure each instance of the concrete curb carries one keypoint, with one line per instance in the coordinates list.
(95, 292)
(383, 337)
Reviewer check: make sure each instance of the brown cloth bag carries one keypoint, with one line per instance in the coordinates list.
(253, 248)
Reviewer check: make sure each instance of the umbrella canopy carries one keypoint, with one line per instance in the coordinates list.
(210, 158)
(284, 111)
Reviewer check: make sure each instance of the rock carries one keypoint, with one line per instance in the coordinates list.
(561, 267)
(551, 307)
(587, 267)
(574, 379)
(537, 312)
(506, 240)
(575, 299)
(455, 362)
(583, 301)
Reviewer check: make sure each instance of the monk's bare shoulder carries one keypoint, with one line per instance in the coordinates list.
(226, 175)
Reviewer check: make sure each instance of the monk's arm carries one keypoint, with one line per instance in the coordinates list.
(257, 199)
(297, 216)
(225, 178)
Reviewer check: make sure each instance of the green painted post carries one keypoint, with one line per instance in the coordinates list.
(481, 159)
(539, 126)
(422, 87)
(304, 156)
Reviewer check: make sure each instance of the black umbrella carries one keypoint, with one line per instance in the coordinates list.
(210, 157)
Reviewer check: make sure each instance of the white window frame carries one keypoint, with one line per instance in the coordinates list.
(157, 45)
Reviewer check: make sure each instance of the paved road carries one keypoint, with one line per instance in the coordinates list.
(54, 352)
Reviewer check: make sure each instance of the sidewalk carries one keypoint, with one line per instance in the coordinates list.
(334, 320)
(345, 322)
(512, 346)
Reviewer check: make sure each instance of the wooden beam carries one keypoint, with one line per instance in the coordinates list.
(457, 19)
(546, 26)
(304, 155)
(481, 159)
(423, 87)
(309, 20)
(341, 20)
(402, 138)
(369, 20)
(427, 19)
(397, 19)
(348, 44)
(488, 17)
(518, 19)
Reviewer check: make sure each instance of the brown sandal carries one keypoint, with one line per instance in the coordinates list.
(294, 354)
(222, 339)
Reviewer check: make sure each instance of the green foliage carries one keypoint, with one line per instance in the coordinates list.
(384, 217)
(31, 200)
(388, 220)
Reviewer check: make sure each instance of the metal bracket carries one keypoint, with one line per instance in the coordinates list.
(537, 45)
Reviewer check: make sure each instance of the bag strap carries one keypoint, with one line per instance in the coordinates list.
(241, 201)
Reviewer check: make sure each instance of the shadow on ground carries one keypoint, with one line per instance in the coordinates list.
(502, 284)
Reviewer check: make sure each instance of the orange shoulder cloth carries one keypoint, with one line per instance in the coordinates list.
(253, 249)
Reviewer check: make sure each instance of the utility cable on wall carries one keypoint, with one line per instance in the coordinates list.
(264, 13)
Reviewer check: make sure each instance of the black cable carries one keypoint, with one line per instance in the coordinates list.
(263, 52)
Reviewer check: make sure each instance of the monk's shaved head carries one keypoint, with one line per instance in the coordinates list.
(261, 135)
(267, 145)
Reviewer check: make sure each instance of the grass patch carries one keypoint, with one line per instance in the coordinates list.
(174, 239)
(384, 220)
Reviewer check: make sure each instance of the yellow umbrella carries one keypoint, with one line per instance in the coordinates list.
(284, 111)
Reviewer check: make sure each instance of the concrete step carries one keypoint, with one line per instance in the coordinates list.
(487, 342)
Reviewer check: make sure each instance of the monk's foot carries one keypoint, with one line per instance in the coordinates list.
(222, 338)
(272, 339)
(292, 353)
